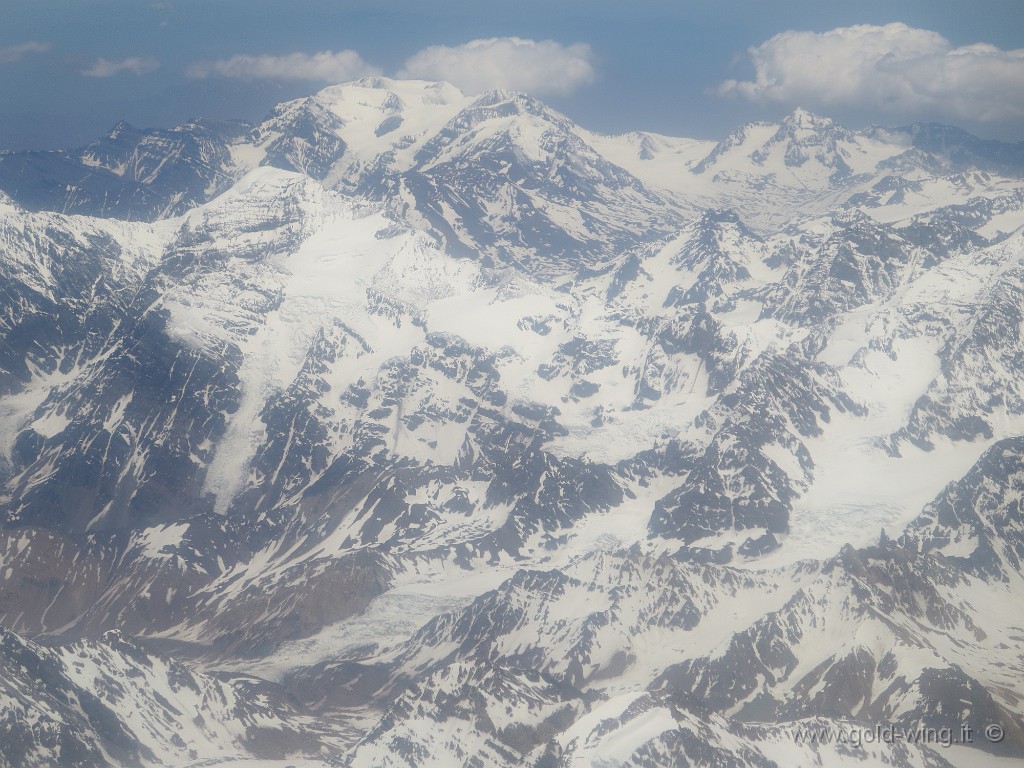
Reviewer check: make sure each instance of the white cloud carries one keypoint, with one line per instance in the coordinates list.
(326, 66)
(17, 52)
(137, 65)
(893, 69)
(539, 67)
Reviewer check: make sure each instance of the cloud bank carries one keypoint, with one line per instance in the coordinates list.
(326, 66)
(137, 65)
(893, 69)
(17, 52)
(541, 68)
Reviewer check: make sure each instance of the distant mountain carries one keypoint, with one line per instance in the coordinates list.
(962, 150)
(128, 174)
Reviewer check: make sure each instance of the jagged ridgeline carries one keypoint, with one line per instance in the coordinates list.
(414, 428)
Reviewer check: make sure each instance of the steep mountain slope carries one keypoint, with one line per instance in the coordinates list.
(108, 702)
(487, 444)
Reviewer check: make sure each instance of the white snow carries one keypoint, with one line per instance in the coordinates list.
(153, 540)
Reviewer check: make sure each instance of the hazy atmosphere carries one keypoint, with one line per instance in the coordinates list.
(73, 69)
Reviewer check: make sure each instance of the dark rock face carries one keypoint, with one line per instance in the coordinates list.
(85, 466)
(64, 286)
(531, 186)
(305, 139)
(735, 485)
(979, 516)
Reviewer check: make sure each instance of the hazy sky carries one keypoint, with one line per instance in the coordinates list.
(70, 69)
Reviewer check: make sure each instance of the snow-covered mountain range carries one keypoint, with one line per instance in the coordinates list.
(412, 428)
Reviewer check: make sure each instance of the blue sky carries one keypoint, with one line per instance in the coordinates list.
(72, 68)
